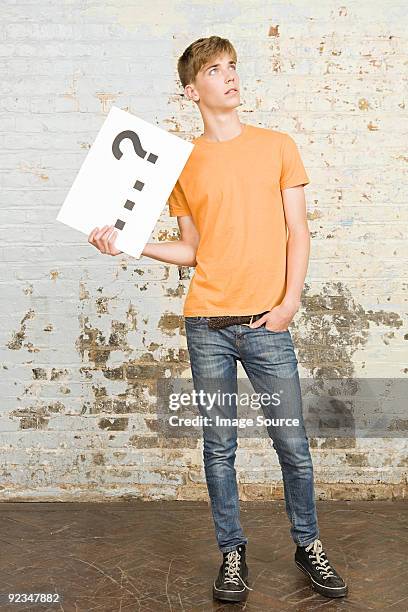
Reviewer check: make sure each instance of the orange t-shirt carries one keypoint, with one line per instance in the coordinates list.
(232, 190)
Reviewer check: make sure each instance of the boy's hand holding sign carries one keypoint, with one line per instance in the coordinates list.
(124, 183)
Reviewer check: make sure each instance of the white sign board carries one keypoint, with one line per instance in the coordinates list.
(125, 180)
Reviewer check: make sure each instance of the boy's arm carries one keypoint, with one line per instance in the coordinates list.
(181, 252)
(298, 244)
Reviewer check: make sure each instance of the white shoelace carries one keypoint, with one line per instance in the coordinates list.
(321, 563)
(232, 562)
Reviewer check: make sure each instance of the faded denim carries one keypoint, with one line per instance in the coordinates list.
(268, 359)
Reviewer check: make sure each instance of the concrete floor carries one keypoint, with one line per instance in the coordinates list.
(153, 556)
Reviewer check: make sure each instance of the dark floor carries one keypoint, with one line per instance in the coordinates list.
(153, 556)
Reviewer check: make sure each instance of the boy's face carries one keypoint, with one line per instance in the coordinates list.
(213, 82)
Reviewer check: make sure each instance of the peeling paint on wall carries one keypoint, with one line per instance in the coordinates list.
(331, 327)
(85, 338)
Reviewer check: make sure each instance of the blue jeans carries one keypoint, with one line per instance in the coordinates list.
(269, 360)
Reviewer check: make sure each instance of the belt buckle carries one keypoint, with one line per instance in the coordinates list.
(248, 324)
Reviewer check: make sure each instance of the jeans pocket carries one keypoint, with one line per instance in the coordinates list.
(195, 320)
(271, 331)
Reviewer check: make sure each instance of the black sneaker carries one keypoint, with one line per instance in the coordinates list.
(313, 561)
(231, 583)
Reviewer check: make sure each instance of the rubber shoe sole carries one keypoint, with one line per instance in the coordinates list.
(234, 596)
(326, 591)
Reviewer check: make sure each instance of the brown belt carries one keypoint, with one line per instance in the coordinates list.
(224, 321)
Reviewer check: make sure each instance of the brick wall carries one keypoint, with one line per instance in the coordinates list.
(85, 337)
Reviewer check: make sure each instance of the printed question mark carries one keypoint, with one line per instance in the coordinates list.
(140, 152)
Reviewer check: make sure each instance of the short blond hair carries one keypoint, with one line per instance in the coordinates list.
(199, 53)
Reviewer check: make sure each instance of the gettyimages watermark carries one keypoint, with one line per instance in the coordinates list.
(211, 402)
(284, 406)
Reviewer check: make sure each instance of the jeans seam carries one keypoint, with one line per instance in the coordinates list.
(292, 513)
(310, 541)
(230, 548)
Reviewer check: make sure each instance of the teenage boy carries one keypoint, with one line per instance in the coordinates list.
(239, 193)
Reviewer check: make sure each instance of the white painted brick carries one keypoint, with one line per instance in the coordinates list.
(333, 79)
